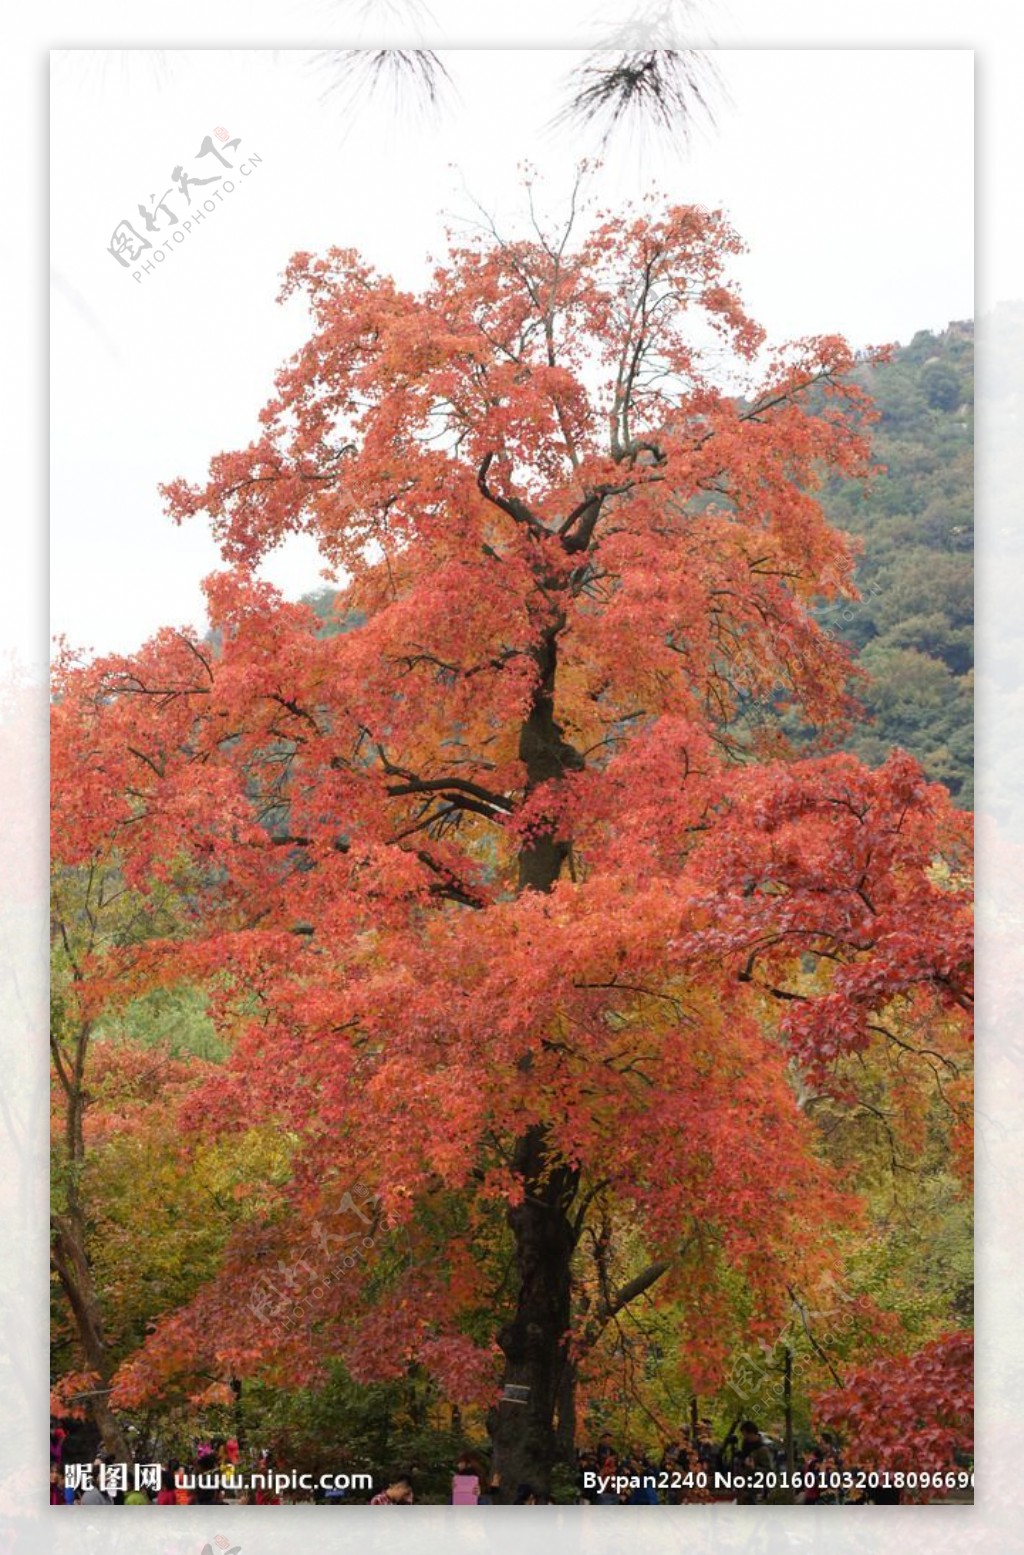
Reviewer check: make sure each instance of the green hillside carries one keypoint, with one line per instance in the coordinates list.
(912, 628)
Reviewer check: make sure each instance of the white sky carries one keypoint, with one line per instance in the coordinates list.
(848, 173)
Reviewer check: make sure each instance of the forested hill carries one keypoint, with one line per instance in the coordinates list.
(913, 626)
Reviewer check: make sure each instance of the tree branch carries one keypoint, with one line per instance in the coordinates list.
(453, 789)
(513, 506)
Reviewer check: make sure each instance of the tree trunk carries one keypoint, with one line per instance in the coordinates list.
(526, 1444)
(787, 1397)
(539, 1378)
(73, 1271)
(68, 1249)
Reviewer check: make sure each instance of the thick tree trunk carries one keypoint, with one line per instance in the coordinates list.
(539, 1378)
(526, 1444)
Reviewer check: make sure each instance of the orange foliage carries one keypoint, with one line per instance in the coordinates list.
(532, 458)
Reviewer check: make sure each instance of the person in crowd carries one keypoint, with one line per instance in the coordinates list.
(644, 1494)
(398, 1493)
(586, 1463)
(525, 1496)
(831, 1462)
(679, 1456)
(265, 1494)
(605, 1447)
(207, 1468)
(94, 1496)
(706, 1451)
(182, 1495)
(751, 1456)
(165, 1496)
(608, 1467)
(468, 1480)
(491, 1494)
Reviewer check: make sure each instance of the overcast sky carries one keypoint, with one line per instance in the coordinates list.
(847, 172)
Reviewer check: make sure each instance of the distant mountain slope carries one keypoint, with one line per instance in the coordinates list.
(913, 626)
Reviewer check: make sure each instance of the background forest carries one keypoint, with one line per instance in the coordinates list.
(913, 625)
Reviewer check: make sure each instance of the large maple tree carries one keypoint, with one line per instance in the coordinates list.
(508, 892)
